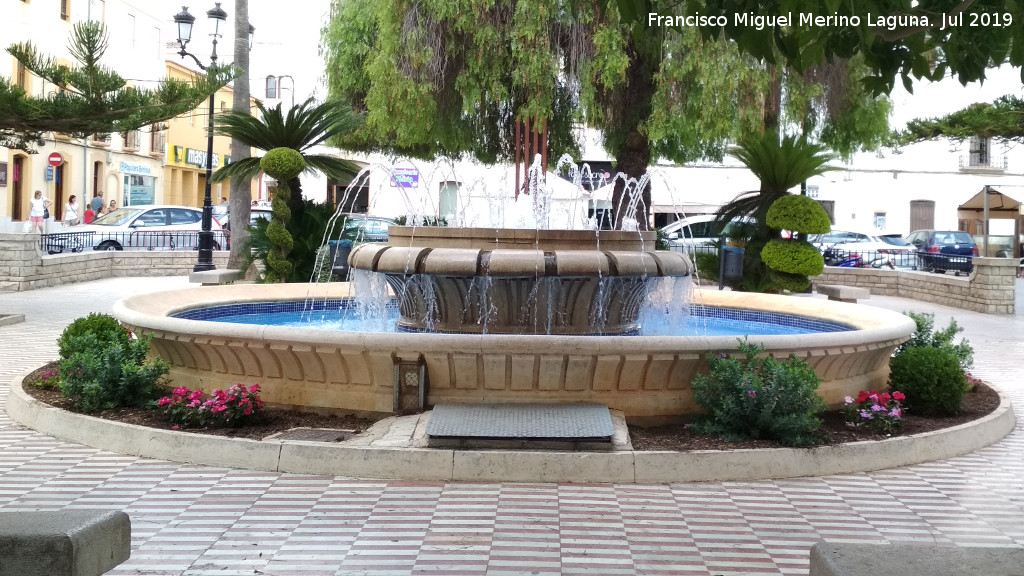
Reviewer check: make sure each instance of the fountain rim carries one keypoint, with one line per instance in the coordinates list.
(152, 312)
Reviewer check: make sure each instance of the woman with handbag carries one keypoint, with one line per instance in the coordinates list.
(40, 211)
(71, 212)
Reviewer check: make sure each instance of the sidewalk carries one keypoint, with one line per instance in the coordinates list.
(201, 521)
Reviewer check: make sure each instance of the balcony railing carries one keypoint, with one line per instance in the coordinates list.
(60, 242)
(983, 162)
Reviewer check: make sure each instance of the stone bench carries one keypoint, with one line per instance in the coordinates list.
(63, 543)
(843, 293)
(214, 277)
(835, 559)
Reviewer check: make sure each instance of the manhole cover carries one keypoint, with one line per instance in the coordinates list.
(314, 435)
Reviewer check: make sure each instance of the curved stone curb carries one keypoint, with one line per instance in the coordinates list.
(506, 465)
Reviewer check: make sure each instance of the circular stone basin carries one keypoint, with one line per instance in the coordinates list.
(647, 377)
(511, 281)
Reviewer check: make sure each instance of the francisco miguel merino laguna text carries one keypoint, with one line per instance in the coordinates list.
(892, 22)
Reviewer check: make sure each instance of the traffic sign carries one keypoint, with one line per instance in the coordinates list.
(55, 159)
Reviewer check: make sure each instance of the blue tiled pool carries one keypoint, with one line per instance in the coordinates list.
(342, 314)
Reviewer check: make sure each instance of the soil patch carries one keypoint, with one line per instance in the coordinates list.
(981, 401)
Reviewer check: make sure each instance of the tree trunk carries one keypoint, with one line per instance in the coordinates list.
(634, 155)
(772, 99)
(241, 190)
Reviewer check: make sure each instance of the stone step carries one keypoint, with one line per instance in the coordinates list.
(552, 426)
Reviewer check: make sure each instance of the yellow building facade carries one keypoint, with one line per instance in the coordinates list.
(184, 170)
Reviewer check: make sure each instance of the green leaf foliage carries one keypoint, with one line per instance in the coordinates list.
(91, 98)
(793, 256)
(946, 339)
(798, 214)
(931, 378)
(794, 283)
(104, 327)
(310, 231)
(1003, 120)
(283, 163)
(753, 395)
(103, 375)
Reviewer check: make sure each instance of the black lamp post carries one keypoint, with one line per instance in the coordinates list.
(184, 20)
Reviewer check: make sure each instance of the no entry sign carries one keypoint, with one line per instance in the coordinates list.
(55, 159)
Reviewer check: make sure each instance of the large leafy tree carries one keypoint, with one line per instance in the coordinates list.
(302, 128)
(90, 97)
(1002, 119)
(912, 40)
(454, 77)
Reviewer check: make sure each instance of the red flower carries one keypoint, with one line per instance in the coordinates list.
(863, 396)
(884, 398)
(897, 395)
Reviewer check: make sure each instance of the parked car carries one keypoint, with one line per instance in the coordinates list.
(942, 250)
(869, 247)
(222, 214)
(147, 227)
(693, 231)
(364, 228)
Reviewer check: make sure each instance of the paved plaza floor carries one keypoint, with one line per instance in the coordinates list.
(204, 521)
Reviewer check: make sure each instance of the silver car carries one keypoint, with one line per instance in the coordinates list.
(146, 228)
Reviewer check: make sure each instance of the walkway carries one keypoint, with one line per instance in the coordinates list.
(202, 521)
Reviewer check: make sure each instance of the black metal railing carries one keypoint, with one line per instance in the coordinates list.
(61, 242)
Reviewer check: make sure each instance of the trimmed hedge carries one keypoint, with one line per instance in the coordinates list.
(931, 378)
(283, 163)
(787, 281)
(798, 214)
(793, 257)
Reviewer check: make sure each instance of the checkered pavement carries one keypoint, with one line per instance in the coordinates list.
(202, 521)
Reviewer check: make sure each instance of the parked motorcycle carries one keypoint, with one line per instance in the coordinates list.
(883, 259)
(840, 259)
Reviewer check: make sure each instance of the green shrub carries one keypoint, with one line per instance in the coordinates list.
(309, 234)
(795, 283)
(925, 336)
(104, 376)
(282, 164)
(754, 396)
(107, 330)
(931, 378)
(793, 256)
(798, 214)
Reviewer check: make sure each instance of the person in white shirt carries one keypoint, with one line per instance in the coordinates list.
(71, 212)
(39, 207)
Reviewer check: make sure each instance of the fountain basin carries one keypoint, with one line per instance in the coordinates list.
(647, 377)
(511, 281)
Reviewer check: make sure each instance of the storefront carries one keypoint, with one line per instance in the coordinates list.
(139, 184)
(185, 174)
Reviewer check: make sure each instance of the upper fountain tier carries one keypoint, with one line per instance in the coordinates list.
(512, 281)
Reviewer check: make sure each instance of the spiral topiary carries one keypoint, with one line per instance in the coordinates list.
(281, 164)
(799, 214)
(787, 281)
(793, 257)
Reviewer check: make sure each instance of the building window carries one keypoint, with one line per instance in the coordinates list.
(100, 139)
(65, 10)
(271, 87)
(980, 151)
(131, 140)
(156, 141)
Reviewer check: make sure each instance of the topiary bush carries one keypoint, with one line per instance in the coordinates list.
(793, 257)
(106, 329)
(931, 378)
(792, 282)
(757, 396)
(105, 375)
(282, 164)
(798, 214)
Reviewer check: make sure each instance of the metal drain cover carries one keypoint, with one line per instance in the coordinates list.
(313, 435)
(522, 421)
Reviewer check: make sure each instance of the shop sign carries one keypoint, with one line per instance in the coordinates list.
(49, 173)
(405, 178)
(131, 168)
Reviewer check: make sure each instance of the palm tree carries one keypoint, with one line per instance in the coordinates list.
(305, 126)
(779, 165)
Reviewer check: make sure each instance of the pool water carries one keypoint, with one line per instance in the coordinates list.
(345, 316)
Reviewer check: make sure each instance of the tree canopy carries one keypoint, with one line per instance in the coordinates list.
(1003, 120)
(897, 38)
(454, 77)
(88, 97)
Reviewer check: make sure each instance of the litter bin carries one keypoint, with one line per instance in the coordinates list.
(730, 264)
(339, 251)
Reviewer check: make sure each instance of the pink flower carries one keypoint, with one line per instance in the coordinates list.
(848, 400)
(247, 411)
(752, 394)
(897, 395)
(175, 427)
(877, 408)
(895, 413)
(164, 401)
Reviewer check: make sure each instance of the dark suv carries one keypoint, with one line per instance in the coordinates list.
(942, 250)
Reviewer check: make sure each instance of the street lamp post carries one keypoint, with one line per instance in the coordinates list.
(184, 20)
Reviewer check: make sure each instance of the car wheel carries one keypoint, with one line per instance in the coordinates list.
(108, 245)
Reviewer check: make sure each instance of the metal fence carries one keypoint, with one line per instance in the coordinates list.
(61, 242)
(885, 259)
